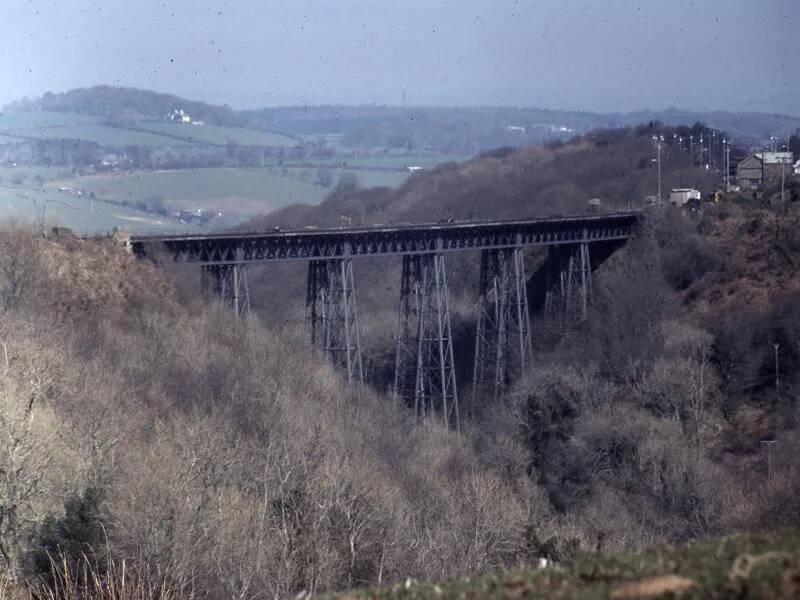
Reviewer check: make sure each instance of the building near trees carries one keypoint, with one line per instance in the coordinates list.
(682, 196)
(752, 171)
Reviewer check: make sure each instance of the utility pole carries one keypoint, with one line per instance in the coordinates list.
(783, 174)
(713, 150)
(777, 377)
(783, 182)
(769, 444)
(728, 165)
(658, 140)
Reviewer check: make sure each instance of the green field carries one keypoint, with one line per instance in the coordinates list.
(365, 178)
(69, 126)
(216, 135)
(238, 193)
(388, 161)
(56, 125)
(43, 118)
(109, 137)
(30, 174)
(82, 215)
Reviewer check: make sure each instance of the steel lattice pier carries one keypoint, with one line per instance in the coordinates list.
(425, 375)
(503, 347)
(332, 315)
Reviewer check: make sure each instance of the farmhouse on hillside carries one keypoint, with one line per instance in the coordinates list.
(179, 116)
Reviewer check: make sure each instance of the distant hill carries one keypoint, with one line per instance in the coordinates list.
(107, 101)
(476, 129)
(613, 165)
(465, 130)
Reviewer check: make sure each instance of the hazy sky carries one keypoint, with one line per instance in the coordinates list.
(591, 55)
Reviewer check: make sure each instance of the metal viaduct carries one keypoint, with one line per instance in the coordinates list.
(424, 366)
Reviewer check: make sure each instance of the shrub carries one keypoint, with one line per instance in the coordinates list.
(73, 538)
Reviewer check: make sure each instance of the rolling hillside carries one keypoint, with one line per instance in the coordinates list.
(50, 125)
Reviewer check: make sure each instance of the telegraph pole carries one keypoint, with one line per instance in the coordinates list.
(728, 163)
(777, 377)
(783, 173)
(713, 150)
(769, 444)
(783, 182)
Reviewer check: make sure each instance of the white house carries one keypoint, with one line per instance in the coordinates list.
(180, 116)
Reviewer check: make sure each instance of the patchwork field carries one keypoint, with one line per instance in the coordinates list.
(218, 136)
(82, 215)
(57, 125)
(389, 161)
(237, 193)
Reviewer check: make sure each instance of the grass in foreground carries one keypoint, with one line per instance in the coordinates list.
(758, 565)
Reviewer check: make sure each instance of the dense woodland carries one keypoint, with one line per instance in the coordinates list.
(140, 423)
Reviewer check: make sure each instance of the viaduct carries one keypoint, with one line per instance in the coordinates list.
(424, 367)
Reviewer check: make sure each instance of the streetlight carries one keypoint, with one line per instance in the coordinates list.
(701, 150)
(659, 141)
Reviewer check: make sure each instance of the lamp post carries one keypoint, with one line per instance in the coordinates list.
(701, 150)
(659, 172)
(658, 140)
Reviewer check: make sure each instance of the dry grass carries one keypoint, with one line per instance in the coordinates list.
(117, 581)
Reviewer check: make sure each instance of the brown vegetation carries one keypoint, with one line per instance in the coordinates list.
(140, 423)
